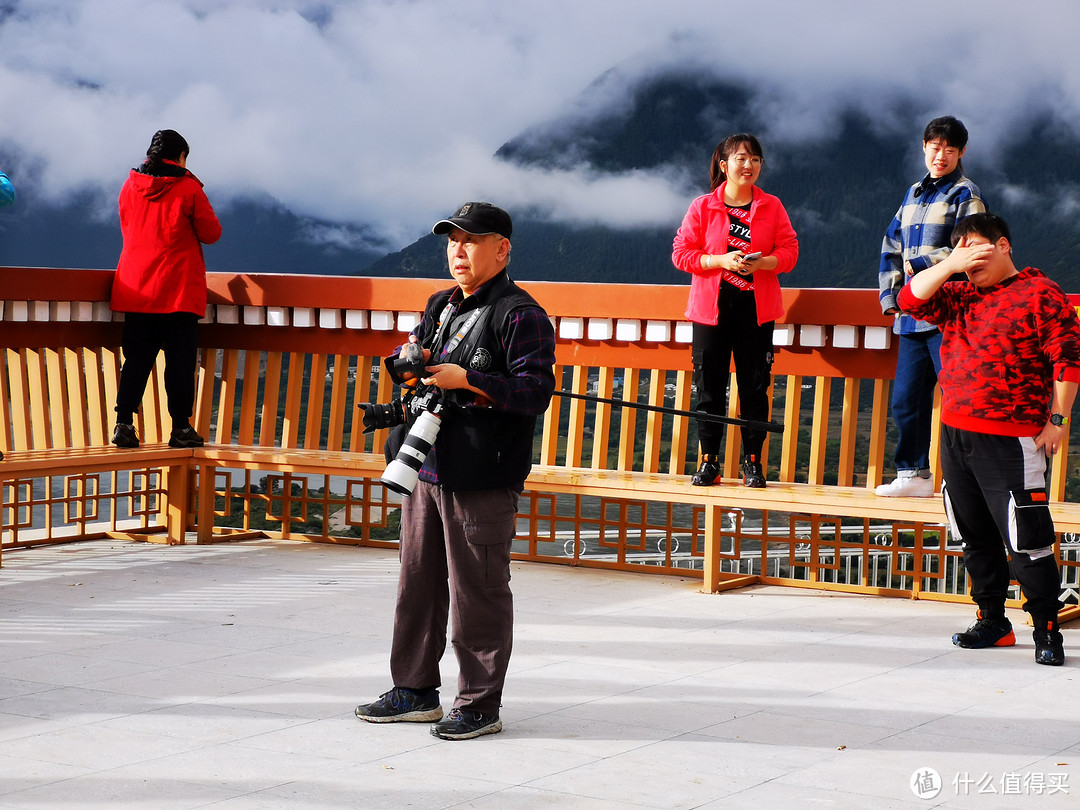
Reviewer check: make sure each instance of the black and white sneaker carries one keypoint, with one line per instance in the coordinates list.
(463, 724)
(401, 705)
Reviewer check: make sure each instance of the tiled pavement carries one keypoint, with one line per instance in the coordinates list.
(145, 676)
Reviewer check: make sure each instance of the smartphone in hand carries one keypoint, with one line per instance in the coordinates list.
(749, 257)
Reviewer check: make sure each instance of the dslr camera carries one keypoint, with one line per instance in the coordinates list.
(391, 414)
(421, 409)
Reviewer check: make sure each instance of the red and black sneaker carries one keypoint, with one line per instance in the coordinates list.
(993, 632)
(1049, 645)
(708, 472)
(752, 474)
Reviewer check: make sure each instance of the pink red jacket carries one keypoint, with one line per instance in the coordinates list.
(165, 221)
(704, 230)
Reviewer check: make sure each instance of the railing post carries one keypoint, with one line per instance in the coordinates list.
(713, 527)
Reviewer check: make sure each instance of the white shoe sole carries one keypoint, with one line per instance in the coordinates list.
(494, 728)
(891, 491)
(428, 716)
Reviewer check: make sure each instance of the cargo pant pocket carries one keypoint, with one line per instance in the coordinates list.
(1031, 529)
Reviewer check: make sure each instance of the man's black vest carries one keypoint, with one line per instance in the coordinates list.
(479, 447)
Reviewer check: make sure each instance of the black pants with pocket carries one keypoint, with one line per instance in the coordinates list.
(455, 563)
(995, 496)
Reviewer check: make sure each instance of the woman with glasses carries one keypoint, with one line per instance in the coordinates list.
(734, 241)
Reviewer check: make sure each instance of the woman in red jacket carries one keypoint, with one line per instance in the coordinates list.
(734, 241)
(160, 283)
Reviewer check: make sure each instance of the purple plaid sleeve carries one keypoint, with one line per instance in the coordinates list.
(529, 339)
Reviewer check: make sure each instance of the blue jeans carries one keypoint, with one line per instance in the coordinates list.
(917, 367)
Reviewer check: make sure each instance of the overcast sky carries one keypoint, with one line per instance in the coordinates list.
(388, 112)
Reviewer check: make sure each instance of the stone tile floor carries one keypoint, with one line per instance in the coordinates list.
(146, 676)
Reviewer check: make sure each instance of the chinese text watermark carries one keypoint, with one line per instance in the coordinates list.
(926, 783)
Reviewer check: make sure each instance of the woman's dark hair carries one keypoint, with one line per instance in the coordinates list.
(948, 129)
(729, 146)
(167, 144)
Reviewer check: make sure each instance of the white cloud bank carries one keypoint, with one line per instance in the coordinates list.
(387, 113)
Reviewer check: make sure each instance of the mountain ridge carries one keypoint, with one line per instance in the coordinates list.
(841, 191)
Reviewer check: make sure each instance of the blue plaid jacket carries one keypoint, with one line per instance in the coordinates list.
(920, 234)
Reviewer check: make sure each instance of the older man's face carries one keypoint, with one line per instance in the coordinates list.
(475, 260)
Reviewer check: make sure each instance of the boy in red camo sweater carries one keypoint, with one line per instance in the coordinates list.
(1010, 358)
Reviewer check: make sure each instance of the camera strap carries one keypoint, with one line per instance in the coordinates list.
(444, 321)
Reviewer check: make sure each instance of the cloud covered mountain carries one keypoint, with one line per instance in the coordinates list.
(258, 236)
(344, 128)
(329, 133)
(841, 188)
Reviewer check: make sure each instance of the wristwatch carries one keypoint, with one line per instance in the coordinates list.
(1058, 419)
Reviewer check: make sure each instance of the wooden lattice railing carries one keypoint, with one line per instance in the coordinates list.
(286, 359)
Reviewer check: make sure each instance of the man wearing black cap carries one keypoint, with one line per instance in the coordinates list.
(490, 348)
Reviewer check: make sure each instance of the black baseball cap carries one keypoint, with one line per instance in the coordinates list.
(477, 218)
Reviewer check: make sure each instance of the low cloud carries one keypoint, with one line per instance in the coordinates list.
(382, 115)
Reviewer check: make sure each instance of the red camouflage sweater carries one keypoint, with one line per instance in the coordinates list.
(1002, 348)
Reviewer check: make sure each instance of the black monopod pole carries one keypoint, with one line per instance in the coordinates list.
(771, 427)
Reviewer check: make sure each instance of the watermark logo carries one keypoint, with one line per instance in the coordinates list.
(925, 783)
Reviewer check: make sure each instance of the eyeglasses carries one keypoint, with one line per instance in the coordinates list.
(743, 161)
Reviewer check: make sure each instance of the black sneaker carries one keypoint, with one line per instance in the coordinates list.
(125, 436)
(986, 633)
(401, 705)
(752, 474)
(707, 473)
(185, 437)
(1049, 645)
(463, 724)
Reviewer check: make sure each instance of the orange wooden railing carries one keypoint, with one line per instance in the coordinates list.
(834, 361)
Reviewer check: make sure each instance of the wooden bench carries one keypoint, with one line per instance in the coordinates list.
(285, 361)
(568, 465)
(55, 431)
(262, 412)
(265, 416)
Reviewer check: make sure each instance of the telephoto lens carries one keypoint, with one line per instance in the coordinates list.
(401, 474)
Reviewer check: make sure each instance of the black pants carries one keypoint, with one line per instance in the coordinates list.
(146, 334)
(737, 334)
(995, 496)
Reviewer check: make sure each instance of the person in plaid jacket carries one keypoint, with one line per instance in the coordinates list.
(918, 238)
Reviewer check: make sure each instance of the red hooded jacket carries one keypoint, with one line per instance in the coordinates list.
(165, 221)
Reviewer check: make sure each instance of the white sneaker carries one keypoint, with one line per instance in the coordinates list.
(911, 486)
